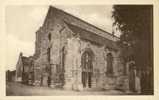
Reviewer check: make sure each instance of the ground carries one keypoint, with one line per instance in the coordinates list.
(18, 89)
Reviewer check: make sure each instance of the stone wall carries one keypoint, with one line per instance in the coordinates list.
(59, 34)
(75, 48)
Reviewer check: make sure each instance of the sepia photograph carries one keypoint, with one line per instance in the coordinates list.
(59, 50)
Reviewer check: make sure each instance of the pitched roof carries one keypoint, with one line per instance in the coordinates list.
(78, 22)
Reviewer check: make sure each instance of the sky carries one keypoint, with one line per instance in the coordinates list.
(23, 21)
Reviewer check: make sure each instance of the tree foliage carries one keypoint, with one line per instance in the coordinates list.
(136, 25)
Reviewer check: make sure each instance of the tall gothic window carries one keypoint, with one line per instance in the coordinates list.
(109, 64)
(87, 69)
(48, 54)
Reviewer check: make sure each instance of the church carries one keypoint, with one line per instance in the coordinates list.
(74, 55)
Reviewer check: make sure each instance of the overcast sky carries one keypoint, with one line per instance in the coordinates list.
(23, 21)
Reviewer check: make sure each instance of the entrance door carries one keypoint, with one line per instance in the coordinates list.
(87, 69)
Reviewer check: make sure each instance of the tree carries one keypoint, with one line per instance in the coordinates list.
(135, 23)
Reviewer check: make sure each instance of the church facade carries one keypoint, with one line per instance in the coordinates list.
(73, 54)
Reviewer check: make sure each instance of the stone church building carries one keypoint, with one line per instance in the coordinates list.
(73, 54)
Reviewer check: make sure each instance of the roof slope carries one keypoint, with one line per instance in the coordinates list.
(79, 23)
(91, 36)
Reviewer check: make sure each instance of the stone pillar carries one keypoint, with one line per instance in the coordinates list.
(53, 73)
(78, 70)
(68, 84)
(68, 80)
(138, 87)
(37, 76)
(77, 81)
(72, 65)
(79, 78)
(74, 81)
(45, 79)
(126, 85)
(68, 67)
(69, 73)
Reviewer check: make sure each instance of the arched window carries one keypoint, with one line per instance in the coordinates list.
(87, 68)
(87, 61)
(49, 36)
(109, 64)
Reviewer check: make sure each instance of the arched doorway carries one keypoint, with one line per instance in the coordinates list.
(87, 68)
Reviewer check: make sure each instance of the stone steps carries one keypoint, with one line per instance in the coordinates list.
(93, 84)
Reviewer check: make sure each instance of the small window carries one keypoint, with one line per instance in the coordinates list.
(49, 36)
